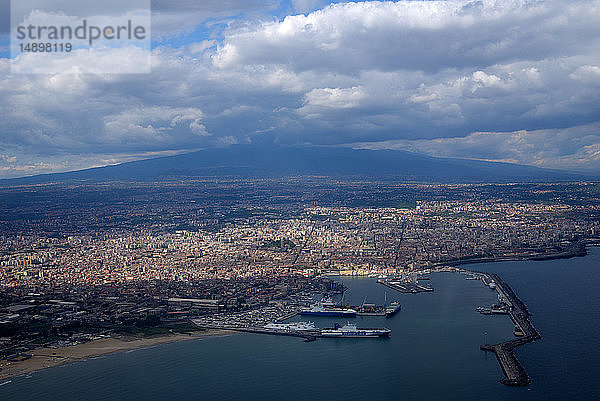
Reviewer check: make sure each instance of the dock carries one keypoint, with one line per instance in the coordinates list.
(307, 335)
(288, 316)
(514, 373)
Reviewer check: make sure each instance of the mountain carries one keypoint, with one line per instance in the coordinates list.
(279, 161)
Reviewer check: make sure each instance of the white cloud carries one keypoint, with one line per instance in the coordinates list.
(576, 148)
(153, 124)
(587, 74)
(199, 47)
(415, 35)
(333, 98)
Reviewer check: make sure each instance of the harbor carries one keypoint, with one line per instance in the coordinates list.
(329, 308)
(271, 319)
(508, 304)
(419, 320)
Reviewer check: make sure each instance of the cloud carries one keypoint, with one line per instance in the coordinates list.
(587, 74)
(171, 18)
(26, 164)
(575, 148)
(411, 73)
(153, 123)
(415, 35)
(8, 159)
(331, 98)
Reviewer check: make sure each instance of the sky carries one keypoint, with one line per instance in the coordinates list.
(507, 80)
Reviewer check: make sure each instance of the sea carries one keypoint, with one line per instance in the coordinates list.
(433, 352)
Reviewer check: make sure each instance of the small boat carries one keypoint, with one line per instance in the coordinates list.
(392, 309)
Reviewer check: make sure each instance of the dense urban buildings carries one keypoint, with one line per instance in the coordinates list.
(82, 259)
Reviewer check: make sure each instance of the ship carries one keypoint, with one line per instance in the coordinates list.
(351, 331)
(326, 307)
(295, 326)
(392, 309)
(494, 310)
(325, 310)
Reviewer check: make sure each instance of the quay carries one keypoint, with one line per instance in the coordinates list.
(288, 316)
(514, 373)
(307, 335)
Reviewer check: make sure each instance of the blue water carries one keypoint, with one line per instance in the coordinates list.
(564, 298)
(433, 352)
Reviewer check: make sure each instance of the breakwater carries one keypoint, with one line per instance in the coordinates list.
(577, 249)
(514, 373)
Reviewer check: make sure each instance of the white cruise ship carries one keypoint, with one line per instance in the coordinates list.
(350, 330)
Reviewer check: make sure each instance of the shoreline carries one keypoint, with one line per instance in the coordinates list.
(45, 358)
(578, 250)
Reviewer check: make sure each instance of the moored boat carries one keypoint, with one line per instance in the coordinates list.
(392, 309)
(320, 310)
(351, 331)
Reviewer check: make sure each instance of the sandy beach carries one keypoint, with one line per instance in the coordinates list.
(44, 358)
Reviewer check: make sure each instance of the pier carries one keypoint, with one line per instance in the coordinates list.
(307, 335)
(288, 316)
(404, 287)
(514, 374)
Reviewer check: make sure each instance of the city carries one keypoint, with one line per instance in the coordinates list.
(199, 258)
(299, 200)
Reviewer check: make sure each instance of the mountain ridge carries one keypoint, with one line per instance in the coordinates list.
(336, 162)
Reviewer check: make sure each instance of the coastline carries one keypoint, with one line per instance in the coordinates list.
(44, 358)
(577, 250)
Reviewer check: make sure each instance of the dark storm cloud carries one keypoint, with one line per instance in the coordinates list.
(457, 76)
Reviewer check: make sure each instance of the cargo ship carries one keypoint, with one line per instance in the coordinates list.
(392, 309)
(351, 331)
